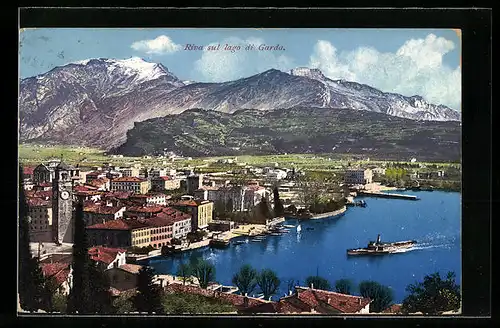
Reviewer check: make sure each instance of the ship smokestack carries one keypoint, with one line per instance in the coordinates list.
(378, 239)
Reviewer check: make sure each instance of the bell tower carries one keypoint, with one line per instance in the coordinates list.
(62, 205)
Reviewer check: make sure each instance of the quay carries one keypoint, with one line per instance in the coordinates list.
(386, 195)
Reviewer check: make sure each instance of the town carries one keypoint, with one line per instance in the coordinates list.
(135, 212)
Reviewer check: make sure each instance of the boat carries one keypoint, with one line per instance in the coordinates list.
(276, 234)
(219, 243)
(239, 242)
(379, 248)
(299, 228)
(289, 226)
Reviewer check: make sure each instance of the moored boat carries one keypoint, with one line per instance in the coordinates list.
(219, 243)
(379, 248)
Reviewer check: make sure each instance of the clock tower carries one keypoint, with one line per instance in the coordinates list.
(62, 205)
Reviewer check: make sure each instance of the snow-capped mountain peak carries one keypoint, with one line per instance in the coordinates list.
(312, 73)
(143, 69)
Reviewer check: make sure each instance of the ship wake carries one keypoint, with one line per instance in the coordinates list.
(422, 247)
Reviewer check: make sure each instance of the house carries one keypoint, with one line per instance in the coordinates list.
(134, 184)
(118, 233)
(43, 174)
(211, 193)
(60, 275)
(309, 300)
(201, 212)
(155, 173)
(40, 218)
(112, 174)
(123, 233)
(101, 213)
(181, 222)
(123, 277)
(143, 211)
(130, 171)
(276, 174)
(28, 172)
(162, 183)
(358, 176)
(151, 198)
(102, 184)
(107, 257)
(94, 175)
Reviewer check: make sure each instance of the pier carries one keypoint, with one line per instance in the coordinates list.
(384, 195)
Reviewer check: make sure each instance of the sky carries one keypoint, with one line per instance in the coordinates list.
(423, 62)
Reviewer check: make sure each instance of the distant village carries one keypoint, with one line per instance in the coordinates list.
(134, 212)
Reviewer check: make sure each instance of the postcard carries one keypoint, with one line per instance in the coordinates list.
(240, 171)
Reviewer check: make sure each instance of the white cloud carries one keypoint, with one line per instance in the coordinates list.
(416, 68)
(159, 46)
(223, 65)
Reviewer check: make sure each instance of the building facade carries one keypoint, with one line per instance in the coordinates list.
(194, 182)
(201, 212)
(102, 213)
(358, 176)
(134, 184)
(40, 217)
(162, 183)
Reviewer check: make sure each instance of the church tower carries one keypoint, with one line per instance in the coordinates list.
(62, 205)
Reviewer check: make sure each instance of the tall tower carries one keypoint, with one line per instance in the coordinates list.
(62, 205)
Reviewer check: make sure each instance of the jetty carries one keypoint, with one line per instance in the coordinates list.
(387, 195)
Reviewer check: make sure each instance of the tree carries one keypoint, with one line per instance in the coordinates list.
(184, 271)
(433, 296)
(149, 295)
(90, 291)
(32, 295)
(123, 304)
(204, 272)
(245, 279)
(318, 282)
(268, 282)
(263, 209)
(343, 286)
(278, 204)
(380, 295)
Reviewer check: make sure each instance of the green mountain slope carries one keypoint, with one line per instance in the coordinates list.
(295, 130)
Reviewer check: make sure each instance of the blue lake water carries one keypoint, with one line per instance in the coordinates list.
(434, 221)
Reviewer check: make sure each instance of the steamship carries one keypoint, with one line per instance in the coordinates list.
(379, 248)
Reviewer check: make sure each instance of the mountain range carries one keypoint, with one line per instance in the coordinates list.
(96, 101)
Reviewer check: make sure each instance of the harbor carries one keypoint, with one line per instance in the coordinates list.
(321, 245)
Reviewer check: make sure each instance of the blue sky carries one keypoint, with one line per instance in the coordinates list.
(406, 61)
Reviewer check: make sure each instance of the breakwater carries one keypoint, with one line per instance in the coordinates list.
(387, 195)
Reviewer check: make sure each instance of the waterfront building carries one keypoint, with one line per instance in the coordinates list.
(119, 233)
(181, 222)
(201, 212)
(358, 176)
(101, 213)
(134, 184)
(162, 183)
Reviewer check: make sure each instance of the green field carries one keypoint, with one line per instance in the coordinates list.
(30, 154)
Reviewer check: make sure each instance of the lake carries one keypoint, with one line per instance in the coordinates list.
(434, 221)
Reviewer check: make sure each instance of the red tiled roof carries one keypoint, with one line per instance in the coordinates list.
(120, 224)
(98, 182)
(45, 184)
(95, 173)
(163, 178)
(59, 271)
(145, 209)
(160, 221)
(341, 302)
(129, 179)
(118, 194)
(28, 170)
(394, 308)
(102, 209)
(35, 201)
(132, 268)
(104, 254)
